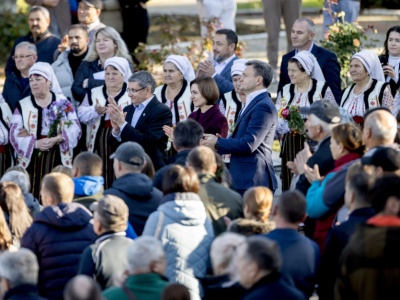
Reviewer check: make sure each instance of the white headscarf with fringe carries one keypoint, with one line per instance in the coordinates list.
(121, 64)
(183, 64)
(45, 70)
(371, 62)
(310, 65)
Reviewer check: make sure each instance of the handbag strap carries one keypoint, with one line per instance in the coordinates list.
(128, 292)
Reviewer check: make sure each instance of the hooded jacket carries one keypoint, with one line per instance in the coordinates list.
(186, 236)
(140, 196)
(58, 236)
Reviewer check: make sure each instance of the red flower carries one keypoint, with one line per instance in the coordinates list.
(285, 113)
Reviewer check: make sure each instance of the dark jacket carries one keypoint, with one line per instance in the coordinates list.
(212, 121)
(221, 287)
(58, 236)
(148, 131)
(13, 92)
(23, 292)
(273, 287)
(335, 243)
(177, 159)
(86, 70)
(139, 195)
(45, 50)
(106, 258)
(394, 86)
(219, 202)
(329, 64)
(295, 248)
(224, 79)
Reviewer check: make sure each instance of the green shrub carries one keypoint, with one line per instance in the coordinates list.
(12, 26)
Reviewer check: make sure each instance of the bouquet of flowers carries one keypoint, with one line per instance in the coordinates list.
(57, 116)
(293, 117)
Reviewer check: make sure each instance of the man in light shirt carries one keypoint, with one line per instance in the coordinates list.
(143, 120)
(224, 46)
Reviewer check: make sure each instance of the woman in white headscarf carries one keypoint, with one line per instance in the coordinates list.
(307, 85)
(175, 92)
(369, 89)
(39, 141)
(93, 111)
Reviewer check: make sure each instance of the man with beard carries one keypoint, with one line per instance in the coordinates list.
(39, 35)
(68, 62)
(224, 46)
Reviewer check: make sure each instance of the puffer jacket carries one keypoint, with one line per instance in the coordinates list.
(186, 235)
(140, 196)
(58, 236)
(64, 75)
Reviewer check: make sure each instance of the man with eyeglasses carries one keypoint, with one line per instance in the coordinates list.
(39, 35)
(16, 86)
(143, 120)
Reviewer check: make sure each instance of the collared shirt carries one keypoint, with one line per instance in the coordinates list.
(251, 97)
(93, 25)
(219, 67)
(309, 50)
(135, 118)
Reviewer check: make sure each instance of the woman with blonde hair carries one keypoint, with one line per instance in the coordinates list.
(15, 210)
(107, 43)
(5, 235)
(257, 205)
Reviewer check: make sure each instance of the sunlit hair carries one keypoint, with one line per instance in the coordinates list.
(258, 201)
(111, 33)
(350, 136)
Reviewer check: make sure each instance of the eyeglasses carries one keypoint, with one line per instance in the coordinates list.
(133, 91)
(21, 56)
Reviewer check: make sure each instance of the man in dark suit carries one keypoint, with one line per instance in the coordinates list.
(224, 46)
(251, 143)
(143, 120)
(303, 32)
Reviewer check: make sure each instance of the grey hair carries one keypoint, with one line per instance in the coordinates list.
(19, 267)
(310, 24)
(19, 179)
(111, 33)
(42, 9)
(262, 69)
(29, 46)
(143, 251)
(223, 250)
(326, 127)
(144, 79)
(382, 131)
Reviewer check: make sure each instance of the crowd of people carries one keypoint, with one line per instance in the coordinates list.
(112, 187)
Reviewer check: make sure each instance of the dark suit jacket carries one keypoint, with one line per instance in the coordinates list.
(148, 131)
(251, 145)
(329, 64)
(224, 80)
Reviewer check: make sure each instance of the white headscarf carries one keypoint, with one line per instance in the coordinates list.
(238, 66)
(184, 66)
(371, 63)
(45, 70)
(121, 64)
(310, 65)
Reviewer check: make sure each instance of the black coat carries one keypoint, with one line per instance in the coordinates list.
(220, 287)
(148, 131)
(329, 64)
(139, 195)
(23, 292)
(58, 236)
(13, 92)
(86, 70)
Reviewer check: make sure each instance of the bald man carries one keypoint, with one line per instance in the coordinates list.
(82, 287)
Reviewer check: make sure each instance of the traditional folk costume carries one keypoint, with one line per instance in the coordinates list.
(35, 119)
(375, 93)
(318, 89)
(98, 127)
(182, 106)
(230, 104)
(6, 157)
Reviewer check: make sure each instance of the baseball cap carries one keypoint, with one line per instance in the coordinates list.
(385, 157)
(112, 209)
(97, 4)
(326, 110)
(130, 153)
